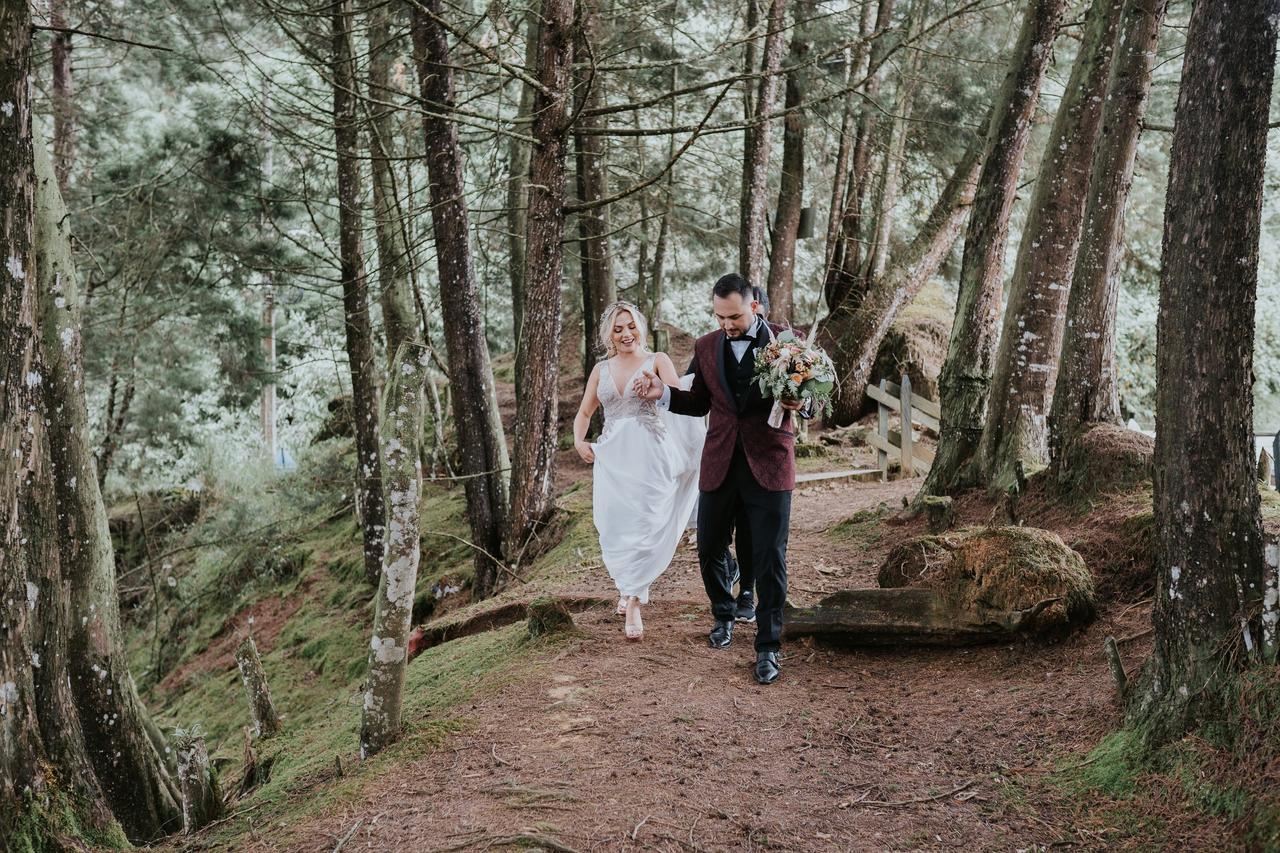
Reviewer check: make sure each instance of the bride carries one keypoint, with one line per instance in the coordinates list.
(645, 463)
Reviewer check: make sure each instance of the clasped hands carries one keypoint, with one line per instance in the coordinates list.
(649, 387)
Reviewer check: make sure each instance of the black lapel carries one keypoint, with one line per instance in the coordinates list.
(724, 377)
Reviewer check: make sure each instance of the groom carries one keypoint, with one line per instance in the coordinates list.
(748, 467)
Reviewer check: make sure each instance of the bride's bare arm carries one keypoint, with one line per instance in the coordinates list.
(582, 420)
(666, 370)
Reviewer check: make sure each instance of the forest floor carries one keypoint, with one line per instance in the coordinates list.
(666, 744)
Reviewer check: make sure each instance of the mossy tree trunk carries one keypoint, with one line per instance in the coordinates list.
(39, 722)
(390, 229)
(755, 185)
(855, 60)
(482, 447)
(598, 287)
(133, 773)
(538, 353)
(1085, 392)
(380, 722)
(786, 222)
(966, 373)
(1031, 337)
(355, 288)
(1209, 528)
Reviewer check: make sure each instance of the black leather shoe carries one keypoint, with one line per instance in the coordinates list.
(722, 634)
(745, 607)
(767, 667)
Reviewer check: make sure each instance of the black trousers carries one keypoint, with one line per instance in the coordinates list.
(742, 565)
(766, 517)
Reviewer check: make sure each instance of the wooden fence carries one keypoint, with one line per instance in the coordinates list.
(900, 443)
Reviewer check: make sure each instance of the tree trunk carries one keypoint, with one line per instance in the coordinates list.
(1085, 391)
(482, 447)
(967, 370)
(518, 152)
(63, 104)
(21, 749)
(1031, 337)
(786, 222)
(532, 471)
(852, 333)
(755, 199)
(842, 274)
(201, 799)
(895, 149)
(133, 774)
(266, 722)
(1209, 565)
(749, 50)
(598, 287)
(39, 723)
(388, 650)
(394, 273)
(355, 290)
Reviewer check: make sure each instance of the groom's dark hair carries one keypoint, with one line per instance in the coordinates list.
(733, 283)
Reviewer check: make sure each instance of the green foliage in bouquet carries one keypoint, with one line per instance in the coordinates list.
(790, 368)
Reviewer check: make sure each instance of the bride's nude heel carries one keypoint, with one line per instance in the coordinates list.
(633, 630)
(621, 609)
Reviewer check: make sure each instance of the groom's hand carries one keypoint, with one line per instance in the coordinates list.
(793, 405)
(648, 386)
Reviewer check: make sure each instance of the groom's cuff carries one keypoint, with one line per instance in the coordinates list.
(664, 402)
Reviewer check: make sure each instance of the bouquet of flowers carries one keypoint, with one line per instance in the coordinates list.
(791, 369)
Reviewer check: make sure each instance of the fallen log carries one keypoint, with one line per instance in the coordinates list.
(906, 616)
(452, 628)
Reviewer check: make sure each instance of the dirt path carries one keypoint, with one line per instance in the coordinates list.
(669, 745)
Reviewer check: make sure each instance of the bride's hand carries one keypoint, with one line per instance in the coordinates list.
(648, 386)
(584, 450)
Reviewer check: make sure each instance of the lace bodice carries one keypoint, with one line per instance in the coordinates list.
(627, 405)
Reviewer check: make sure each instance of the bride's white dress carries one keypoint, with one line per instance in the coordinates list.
(645, 480)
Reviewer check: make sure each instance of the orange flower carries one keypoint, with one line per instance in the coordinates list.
(797, 378)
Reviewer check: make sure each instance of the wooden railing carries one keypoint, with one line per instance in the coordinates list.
(900, 444)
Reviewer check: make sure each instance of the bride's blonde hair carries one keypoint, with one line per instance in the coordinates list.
(606, 326)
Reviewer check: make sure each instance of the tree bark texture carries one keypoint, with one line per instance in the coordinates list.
(132, 771)
(755, 198)
(355, 289)
(1085, 391)
(266, 722)
(482, 447)
(598, 287)
(21, 749)
(380, 722)
(966, 373)
(518, 151)
(786, 222)
(1209, 568)
(852, 333)
(390, 230)
(532, 470)
(1031, 336)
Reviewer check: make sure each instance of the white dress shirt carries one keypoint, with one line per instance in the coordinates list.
(739, 347)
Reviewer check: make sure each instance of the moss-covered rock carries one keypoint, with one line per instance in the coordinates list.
(999, 569)
(916, 344)
(1105, 459)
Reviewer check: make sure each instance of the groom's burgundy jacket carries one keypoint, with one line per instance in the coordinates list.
(739, 416)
